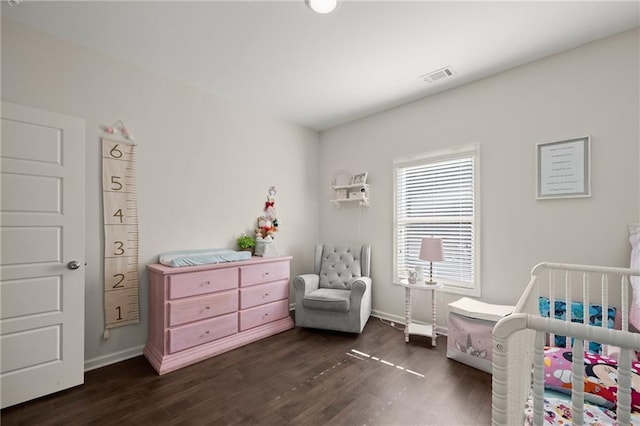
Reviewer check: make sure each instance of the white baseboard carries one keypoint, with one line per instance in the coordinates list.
(387, 316)
(101, 361)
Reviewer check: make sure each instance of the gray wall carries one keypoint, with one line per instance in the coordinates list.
(591, 90)
(204, 164)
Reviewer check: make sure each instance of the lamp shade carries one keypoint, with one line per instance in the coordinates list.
(431, 249)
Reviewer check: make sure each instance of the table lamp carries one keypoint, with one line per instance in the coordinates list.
(431, 251)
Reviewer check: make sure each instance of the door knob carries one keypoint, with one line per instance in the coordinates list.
(74, 264)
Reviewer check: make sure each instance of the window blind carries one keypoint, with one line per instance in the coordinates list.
(436, 198)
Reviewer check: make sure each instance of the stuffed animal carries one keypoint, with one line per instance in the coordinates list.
(268, 223)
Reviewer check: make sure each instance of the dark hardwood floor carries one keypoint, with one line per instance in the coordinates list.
(299, 377)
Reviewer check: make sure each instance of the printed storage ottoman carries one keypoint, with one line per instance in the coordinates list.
(469, 338)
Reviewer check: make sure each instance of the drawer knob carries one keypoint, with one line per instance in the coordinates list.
(266, 294)
(206, 332)
(207, 307)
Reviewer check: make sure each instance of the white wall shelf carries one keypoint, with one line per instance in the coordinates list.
(357, 192)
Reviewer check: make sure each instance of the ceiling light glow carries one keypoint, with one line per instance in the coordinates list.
(322, 6)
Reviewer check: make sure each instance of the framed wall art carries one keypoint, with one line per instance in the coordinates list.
(564, 168)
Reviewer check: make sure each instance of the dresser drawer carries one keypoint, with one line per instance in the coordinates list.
(194, 283)
(183, 311)
(264, 272)
(263, 314)
(263, 293)
(187, 336)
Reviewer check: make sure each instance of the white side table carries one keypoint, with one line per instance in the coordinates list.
(428, 330)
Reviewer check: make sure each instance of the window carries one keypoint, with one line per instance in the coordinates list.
(436, 195)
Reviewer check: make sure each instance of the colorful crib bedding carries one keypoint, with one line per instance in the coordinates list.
(201, 257)
(557, 411)
(600, 377)
(600, 389)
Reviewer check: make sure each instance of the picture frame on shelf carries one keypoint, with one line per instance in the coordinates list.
(359, 179)
(564, 169)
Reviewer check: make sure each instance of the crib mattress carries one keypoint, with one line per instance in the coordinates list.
(201, 257)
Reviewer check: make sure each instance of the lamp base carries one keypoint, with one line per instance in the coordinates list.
(430, 283)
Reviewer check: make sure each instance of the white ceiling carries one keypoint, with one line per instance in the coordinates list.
(324, 70)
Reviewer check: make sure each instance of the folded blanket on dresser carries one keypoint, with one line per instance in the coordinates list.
(201, 257)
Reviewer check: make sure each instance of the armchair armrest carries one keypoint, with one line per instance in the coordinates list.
(360, 303)
(306, 283)
(359, 286)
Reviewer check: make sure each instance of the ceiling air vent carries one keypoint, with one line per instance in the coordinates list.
(440, 74)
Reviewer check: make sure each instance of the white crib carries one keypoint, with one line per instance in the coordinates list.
(519, 339)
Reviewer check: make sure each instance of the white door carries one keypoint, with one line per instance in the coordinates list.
(41, 231)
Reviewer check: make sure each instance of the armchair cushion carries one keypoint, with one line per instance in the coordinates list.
(326, 299)
(340, 265)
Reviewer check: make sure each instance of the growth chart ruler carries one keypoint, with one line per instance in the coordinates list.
(119, 188)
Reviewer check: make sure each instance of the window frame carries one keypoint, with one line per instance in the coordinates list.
(466, 151)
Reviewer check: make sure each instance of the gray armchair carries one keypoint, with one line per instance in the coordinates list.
(337, 296)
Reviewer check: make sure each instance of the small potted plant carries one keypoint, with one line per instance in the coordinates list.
(246, 242)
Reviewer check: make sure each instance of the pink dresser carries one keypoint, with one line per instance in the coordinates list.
(197, 312)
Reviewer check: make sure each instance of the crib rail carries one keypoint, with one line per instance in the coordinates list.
(627, 342)
(519, 339)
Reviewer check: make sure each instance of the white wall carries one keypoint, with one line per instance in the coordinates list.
(204, 163)
(591, 90)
